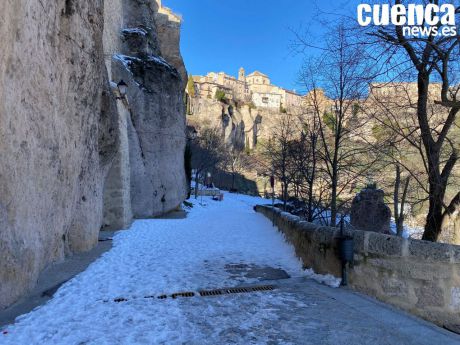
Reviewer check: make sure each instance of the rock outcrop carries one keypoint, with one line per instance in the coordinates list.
(243, 125)
(56, 143)
(73, 157)
(151, 158)
(369, 211)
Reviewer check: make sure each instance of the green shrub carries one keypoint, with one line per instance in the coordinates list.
(329, 120)
(220, 95)
(191, 87)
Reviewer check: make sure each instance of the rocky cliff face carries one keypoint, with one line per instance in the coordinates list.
(69, 151)
(147, 58)
(243, 125)
(55, 141)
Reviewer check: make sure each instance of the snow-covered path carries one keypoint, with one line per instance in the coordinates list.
(157, 257)
(205, 250)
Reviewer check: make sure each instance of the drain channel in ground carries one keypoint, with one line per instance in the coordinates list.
(206, 293)
(236, 290)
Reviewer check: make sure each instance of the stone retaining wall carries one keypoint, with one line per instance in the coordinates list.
(420, 277)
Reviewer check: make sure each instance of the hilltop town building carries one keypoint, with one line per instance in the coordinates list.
(255, 87)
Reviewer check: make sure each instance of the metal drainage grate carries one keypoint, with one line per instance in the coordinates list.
(236, 290)
(211, 293)
(204, 293)
(182, 294)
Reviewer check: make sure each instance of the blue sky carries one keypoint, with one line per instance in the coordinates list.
(255, 34)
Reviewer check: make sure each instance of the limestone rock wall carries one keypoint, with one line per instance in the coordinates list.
(241, 124)
(73, 157)
(56, 143)
(148, 59)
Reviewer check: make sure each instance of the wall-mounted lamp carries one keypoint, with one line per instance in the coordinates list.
(122, 89)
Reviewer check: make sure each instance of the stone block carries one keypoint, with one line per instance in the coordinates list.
(455, 299)
(429, 295)
(385, 244)
(358, 237)
(307, 227)
(393, 287)
(429, 251)
(455, 254)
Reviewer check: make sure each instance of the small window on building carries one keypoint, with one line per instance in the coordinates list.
(264, 99)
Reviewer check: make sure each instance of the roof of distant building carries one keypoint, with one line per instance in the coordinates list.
(257, 74)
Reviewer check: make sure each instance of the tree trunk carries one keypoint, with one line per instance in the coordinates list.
(396, 197)
(196, 184)
(399, 211)
(433, 225)
(435, 215)
(437, 191)
(437, 186)
(311, 181)
(400, 223)
(335, 168)
(334, 198)
(196, 189)
(310, 201)
(285, 187)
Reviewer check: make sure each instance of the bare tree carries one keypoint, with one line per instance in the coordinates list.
(303, 170)
(432, 58)
(343, 71)
(393, 124)
(305, 153)
(207, 153)
(235, 161)
(277, 151)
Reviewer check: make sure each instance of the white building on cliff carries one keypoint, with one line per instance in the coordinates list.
(255, 87)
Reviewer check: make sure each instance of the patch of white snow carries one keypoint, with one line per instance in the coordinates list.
(138, 31)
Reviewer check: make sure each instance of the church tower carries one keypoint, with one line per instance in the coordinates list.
(242, 74)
